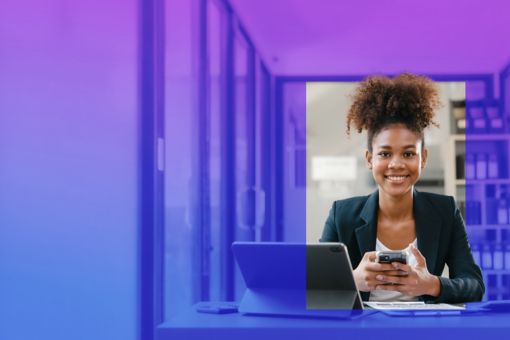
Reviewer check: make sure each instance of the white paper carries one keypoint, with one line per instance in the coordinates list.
(412, 305)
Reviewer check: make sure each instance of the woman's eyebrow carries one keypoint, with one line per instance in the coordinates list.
(388, 147)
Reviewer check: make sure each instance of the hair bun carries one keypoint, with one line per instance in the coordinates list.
(407, 99)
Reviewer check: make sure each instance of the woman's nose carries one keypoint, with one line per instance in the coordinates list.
(395, 163)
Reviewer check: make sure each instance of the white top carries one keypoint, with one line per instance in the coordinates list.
(386, 295)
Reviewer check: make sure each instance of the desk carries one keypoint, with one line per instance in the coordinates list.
(193, 325)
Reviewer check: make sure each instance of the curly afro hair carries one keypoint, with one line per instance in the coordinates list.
(381, 101)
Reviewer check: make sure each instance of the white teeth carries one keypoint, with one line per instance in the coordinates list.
(396, 178)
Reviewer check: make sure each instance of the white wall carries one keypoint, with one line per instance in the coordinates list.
(68, 169)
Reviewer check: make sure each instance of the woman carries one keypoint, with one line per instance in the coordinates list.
(395, 112)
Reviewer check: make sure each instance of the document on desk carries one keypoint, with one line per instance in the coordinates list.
(412, 305)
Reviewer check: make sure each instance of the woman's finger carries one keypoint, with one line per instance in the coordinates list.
(420, 259)
(398, 280)
(396, 273)
(379, 267)
(401, 266)
(370, 256)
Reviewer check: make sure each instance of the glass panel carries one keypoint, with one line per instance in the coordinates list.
(294, 148)
(243, 173)
(214, 41)
(198, 118)
(241, 136)
(179, 132)
(258, 135)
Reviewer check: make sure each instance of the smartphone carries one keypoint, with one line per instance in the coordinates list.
(392, 256)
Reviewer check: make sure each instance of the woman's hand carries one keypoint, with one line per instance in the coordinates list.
(365, 275)
(418, 281)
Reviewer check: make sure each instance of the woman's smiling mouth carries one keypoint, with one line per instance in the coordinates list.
(396, 179)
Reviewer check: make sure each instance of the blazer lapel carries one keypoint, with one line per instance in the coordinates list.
(367, 232)
(428, 229)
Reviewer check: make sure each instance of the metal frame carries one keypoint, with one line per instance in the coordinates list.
(267, 153)
(201, 225)
(150, 183)
(228, 191)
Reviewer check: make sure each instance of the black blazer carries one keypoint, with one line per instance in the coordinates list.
(440, 232)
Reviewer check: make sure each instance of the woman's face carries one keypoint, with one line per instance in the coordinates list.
(396, 160)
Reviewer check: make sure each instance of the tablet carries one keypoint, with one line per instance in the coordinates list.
(297, 279)
(329, 280)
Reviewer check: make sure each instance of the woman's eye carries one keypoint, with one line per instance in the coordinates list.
(384, 154)
(409, 154)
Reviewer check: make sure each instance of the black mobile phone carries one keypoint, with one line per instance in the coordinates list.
(392, 256)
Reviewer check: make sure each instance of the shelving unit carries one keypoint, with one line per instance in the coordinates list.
(482, 189)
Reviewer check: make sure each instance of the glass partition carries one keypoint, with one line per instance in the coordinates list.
(217, 164)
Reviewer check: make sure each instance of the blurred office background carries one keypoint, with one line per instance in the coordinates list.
(229, 135)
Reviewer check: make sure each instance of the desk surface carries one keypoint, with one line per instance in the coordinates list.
(377, 325)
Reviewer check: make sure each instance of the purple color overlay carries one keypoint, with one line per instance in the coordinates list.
(68, 137)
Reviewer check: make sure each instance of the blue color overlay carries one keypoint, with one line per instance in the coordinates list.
(139, 139)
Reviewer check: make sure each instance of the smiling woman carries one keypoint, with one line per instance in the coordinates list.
(395, 112)
(396, 160)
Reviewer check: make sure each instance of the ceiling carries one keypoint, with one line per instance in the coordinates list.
(327, 37)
